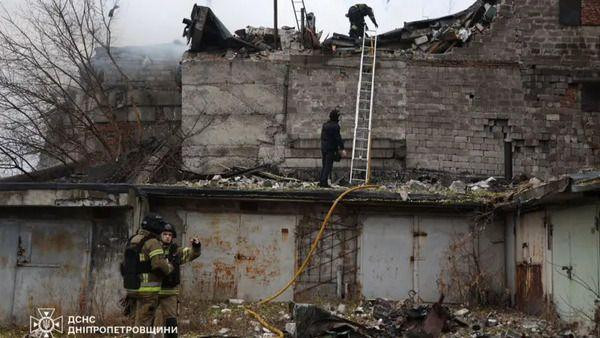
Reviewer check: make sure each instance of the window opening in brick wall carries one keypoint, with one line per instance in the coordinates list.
(570, 12)
(579, 12)
(590, 97)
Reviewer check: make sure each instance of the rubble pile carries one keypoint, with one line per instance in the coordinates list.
(434, 36)
(205, 32)
(366, 319)
(260, 179)
(264, 37)
(384, 318)
(253, 182)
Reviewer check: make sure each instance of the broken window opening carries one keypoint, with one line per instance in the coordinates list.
(579, 12)
(570, 12)
(590, 97)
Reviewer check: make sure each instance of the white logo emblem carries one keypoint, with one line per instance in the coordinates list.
(45, 325)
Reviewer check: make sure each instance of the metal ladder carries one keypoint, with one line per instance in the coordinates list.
(298, 6)
(360, 167)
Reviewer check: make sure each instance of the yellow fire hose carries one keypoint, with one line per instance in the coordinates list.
(304, 265)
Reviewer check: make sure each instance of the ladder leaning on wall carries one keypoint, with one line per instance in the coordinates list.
(299, 7)
(360, 167)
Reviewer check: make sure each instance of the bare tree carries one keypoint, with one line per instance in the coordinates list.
(56, 105)
(49, 90)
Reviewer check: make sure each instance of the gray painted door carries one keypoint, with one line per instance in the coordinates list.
(52, 267)
(575, 256)
(9, 232)
(433, 238)
(386, 249)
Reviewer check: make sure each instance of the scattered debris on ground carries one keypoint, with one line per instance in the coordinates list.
(370, 318)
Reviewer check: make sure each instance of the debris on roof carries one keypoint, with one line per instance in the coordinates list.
(260, 179)
(205, 32)
(431, 35)
(534, 191)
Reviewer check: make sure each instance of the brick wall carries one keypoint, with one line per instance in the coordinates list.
(272, 112)
(460, 115)
(590, 12)
(519, 81)
(150, 105)
(524, 86)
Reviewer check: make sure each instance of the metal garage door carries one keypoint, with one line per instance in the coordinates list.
(47, 266)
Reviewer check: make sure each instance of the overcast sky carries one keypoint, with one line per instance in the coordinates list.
(142, 22)
(157, 21)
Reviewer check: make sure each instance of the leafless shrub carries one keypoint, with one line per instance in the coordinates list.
(48, 86)
(462, 275)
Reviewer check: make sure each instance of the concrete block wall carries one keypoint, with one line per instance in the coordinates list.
(149, 105)
(521, 81)
(518, 81)
(244, 112)
(459, 114)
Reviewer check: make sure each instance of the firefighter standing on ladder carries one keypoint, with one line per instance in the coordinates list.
(356, 15)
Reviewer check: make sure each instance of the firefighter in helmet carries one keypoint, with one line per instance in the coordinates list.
(168, 294)
(144, 267)
(356, 14)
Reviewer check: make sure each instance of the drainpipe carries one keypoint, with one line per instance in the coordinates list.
(276, 31)
(302, 18)
(339, 282)
(508, 158)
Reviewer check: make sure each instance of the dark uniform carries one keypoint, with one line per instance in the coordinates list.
(331, 144)
(356, 15)
(143, 270)
(168, 299)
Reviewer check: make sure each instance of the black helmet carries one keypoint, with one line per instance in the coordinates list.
(153, 223)
(334, 115)
(168, 227)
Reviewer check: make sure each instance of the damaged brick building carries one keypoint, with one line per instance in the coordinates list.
(521, 91)
(504, 88)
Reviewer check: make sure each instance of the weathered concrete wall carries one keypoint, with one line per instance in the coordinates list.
(459, 114)
(149, 104)
(272, 112)
(523, 82)
(520, 81)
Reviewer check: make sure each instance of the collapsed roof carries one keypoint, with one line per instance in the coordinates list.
(432, 35)
(206, 32)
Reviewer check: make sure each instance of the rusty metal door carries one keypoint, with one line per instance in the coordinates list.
(531, 239)
(575, 261)
(9, 232)
(386, 250)
(52, 267)
(265, 258)
(213, 275)
(247, 256)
